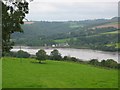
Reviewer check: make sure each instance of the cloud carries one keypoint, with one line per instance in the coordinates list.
(42, 7)
(72, 10)
(76, 1)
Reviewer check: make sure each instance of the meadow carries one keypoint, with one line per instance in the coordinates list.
(28, 73)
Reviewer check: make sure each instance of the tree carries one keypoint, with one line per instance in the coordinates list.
(94, 62)
(55, 55)
(111, 63)
(67, 58)
(13, 13)
(103, 62)
(41, 55)
(74, 59)
(22, 54)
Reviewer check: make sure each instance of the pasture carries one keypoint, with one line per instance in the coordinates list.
(27, 73)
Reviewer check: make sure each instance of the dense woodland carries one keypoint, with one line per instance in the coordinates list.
(77, 34)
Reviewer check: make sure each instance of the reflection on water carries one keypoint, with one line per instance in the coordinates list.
(85, 54)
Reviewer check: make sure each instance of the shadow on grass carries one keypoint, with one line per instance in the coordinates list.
(38, 62)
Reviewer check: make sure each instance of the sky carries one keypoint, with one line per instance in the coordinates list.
(71, 10)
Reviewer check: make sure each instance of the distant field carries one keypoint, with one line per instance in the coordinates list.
(116, 45)
(113, 24)
(113, 32)
(55, 74)
(62, 40)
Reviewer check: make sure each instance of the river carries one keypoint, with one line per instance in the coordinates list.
(84, 54)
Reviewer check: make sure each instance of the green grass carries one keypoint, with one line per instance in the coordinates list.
(62, 40)
(116, 45)
(113, 32)
(75, 26)
(114, 23)
(22, 73)
(106, 33)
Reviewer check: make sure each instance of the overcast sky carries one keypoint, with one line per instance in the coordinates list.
(66, 10)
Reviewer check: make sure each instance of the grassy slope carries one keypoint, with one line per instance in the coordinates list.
(62, 40)
(112, 24)
(24, 73)
(114, 32)
(117, 45)
(106, 33)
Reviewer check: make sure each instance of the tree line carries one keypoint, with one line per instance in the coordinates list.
(41, 56)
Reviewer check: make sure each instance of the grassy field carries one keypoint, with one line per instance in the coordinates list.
(64, 40)
(116, 45)
(27, 73)
(113, 24)
(114, 32)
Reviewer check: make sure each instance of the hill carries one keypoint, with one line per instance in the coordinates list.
(74, 33)
(27, 73)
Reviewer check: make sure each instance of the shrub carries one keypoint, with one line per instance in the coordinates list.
(94, 62)
(103, 62)
(55, 55)
(21, 54)
(66, 58)
(111, 63)
(41, 55)
(74, 59)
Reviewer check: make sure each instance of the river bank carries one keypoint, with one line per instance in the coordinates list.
(84, 54)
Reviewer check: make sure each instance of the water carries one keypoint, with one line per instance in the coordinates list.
(84, 54)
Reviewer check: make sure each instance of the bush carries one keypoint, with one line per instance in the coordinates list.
(94, 62)
(41, 55)
(55, 55)
(74, 59)
(111, 63)
(6, 54)
(103, 62)
(66, 58)
(21, 54)
(13, 54)
(118, 66)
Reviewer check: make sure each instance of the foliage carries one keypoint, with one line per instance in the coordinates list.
(55, 55)
(22, 54)
(41, 55)
(94, 62)
(111, 63)
(74, 59)
(66, 58)
(103, 63)
(13, 13)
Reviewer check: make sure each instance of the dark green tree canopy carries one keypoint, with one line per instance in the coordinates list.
(55, 55)
(13, 14)
(55, 52)
(22, 54)
(41, 55)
